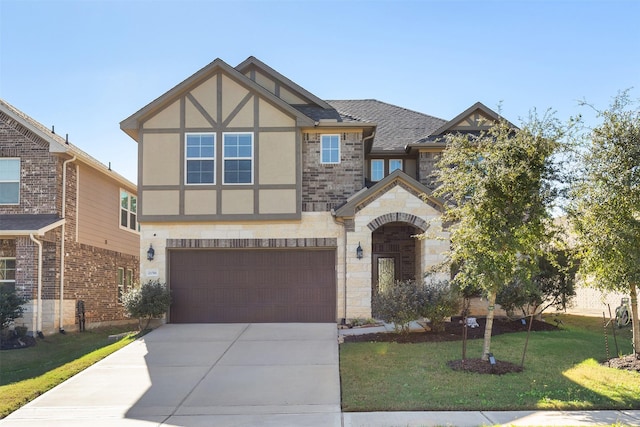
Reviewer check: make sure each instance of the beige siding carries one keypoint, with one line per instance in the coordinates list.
(237, 201)
(277, 201)
(200, 202)
(161, 159)
(161, 202)
(270, 116)
(165, 119)
(266, 82)
(232, 95)
(193, 117)
(289, 97)
(277, 163)
(99, 214)
(207, 96)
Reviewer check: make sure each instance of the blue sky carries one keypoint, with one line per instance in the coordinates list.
(84, 66)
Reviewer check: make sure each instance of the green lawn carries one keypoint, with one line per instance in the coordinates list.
(561, 372)
(27, 373)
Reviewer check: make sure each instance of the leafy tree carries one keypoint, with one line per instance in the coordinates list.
(148, 301)
(605, 207)
(499, 187)
(11, 306)
(553, 286)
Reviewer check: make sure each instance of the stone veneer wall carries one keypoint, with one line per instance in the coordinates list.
(325, 186)
(400, 203)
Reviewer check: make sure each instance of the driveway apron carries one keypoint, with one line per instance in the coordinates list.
(203, 375)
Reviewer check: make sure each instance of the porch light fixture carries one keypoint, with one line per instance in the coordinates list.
(150, 253)
(359, 251)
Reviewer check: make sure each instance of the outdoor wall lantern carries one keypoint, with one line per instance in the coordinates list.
(359, 251)
(150, 253)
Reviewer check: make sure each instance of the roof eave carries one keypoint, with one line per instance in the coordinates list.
(37, 232)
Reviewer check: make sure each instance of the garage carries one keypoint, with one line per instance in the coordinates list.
(252, 285)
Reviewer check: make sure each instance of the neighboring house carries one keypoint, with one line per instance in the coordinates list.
(265, 203)
(68, 228)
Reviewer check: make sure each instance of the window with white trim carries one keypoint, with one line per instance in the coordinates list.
(330, 149)
(120, 284)
(200, 154)
(8, 272)
(9, 181)
(395, 164)
(129, 281)
(128, 211)
(377, 169)
(238, 158)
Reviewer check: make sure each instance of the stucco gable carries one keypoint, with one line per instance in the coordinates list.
(131, 124)
(366, 196)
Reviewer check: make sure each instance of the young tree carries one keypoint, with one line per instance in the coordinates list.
(147, 301)
(499, 185)
(605, 208)
(11, 306)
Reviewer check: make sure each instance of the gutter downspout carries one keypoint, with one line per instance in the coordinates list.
(62, 253)
(38, 324)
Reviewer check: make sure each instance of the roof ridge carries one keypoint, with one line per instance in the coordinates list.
(389, 104)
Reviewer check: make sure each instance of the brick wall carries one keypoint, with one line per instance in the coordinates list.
(396, 239)
(426, 168)
(325, 186)
(38, 169)
(92, 276)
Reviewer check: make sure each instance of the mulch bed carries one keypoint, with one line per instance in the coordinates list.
(453, 332)
(629, 362)
(13, 343)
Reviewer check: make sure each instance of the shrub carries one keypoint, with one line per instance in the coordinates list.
(148, 301)
(400, 304)
(11, 306)
(441, 301)
(553, 286)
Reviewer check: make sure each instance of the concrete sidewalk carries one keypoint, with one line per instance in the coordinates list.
(491, 418)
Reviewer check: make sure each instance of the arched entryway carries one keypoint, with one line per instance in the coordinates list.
(395, 252)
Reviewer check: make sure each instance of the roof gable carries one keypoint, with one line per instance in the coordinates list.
(398, 178)
(278, 84)
(57, 144)
(131, 124)
(476, 118)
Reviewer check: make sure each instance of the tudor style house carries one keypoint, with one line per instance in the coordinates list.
(69, 236)
(265, 203)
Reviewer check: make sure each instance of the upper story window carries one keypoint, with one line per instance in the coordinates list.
(238, 158)
(377, 169)
(200, 158)
(395, 164)
(128, 211)
(330, 149)
(9, 181)
(8, 272)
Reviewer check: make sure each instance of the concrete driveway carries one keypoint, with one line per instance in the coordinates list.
(203, 375)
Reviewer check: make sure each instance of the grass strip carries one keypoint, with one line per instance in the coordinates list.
(560, 373)
(20, 393)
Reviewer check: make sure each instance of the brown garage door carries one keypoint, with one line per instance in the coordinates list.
(210, 286)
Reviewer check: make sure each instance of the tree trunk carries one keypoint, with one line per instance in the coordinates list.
(634, 318)
(486, 349)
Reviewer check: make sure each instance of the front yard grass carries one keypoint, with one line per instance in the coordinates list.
(561, 372)
(27, 373)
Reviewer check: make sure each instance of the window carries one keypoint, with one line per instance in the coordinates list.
(9, 181)
(238, 158)
(128, 211)
(120, 284)
(200, 158)
(395, 164)
(330, 149)
(129, 281)
(8, 272)
(377, 170)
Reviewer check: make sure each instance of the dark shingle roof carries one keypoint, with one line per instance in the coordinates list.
(397, 126)
(27, 223)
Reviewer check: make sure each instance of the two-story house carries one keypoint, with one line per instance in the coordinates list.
(265, 203)
(69, 239)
